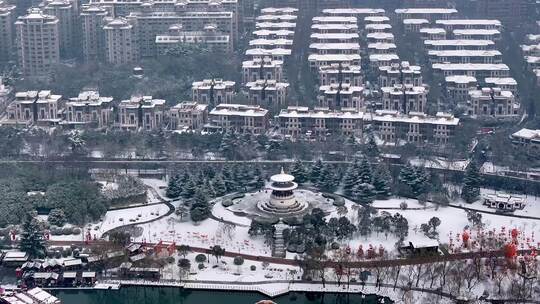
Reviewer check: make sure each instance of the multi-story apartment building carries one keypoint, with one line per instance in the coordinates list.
(430, 14)
(275, 54)
(209, 38)
(417, 128)
(261, 69)
(465, 56)
(528, 139)
(334, 28)
(376, 61)
(359, 13)
(334, 20)
(380, 37)
(141, 112)
(432, 33)
(335, 38)
(149, 24)
(66, 15)
(377, 28)
(337, 96)
(477, 34)
(404, 98)
(269, 44)
(400, 73)
(505, 83)
(213, 91)
(189, 115)
(93, 36)
(7, 31)
(456, 89)
(492, 102)
(458, 44)
(336, 73)
(320, 122)
(414, 25)
(381, 48)
(89, 109)
(121, 41)
(376, 19)
(34, 107)
(268, 93)
(334, 48)
(274, 34)
(478, 70)
(452, 24)
(316, 61)
(37, 43)
(239, 118)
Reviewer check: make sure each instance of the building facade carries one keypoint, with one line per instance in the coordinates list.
(37, 43)
(188, 116)
(34, 107)
(141, 112)
(239, 118)
(7, 31)
(93, 36)
(213, 91)
(89, 109)
(121, 41)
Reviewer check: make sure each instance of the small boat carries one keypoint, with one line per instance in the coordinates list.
(266, 302)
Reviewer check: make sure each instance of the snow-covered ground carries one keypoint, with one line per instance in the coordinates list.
(122, 217)
(440, 163)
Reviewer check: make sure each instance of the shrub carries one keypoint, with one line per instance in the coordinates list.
(253, 267)
(170, 260)
(201, 266)
(200, 258)
(334, 246)
(76, 231)
(226, 203)
(238, 260)
(67, 231)
(403, 206)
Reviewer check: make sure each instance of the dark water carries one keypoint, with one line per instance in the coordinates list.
(165, 295)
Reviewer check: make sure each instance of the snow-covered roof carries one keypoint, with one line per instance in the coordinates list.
(381, 46)
(378, 26)
(465, 53)
(415, 21)
(334, 57)
(527, 134)
(335, 46)
(469, 22)
(470, 66)
(432, 30)
(425, 11)
(335, 19)
(383, 57)
(460, 79)
(238, 110)
(268, 52)
(501, 80)
(376, 19)
(472, 32)
(460, 42)
(344, 36)
(353, 11)
(334, 26)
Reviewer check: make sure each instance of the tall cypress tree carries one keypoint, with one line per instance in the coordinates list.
(32, 239)
(471, 183)
(298, 170)
(381, 182)
(365, 174)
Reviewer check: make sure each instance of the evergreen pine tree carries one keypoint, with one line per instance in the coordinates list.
(351, 177)
(228, 178)
(32, 238)
(188, 189)
(327, 181)
(315, 173)
(219, 185)
(381, 182)
(173, 191)
(298, 170)
(200, 208)
(471, 183)
(364, 193)
(365, 174)
(227, 145)
(371, 148)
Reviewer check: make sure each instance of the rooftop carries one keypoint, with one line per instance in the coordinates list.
(425, 11)
(238, 110)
